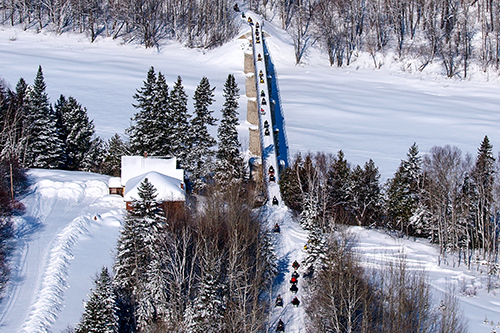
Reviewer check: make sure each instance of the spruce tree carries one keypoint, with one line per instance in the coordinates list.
(115, 148)
(142, 131)
(403, 204)
(230, 163)
(44, 148)
(198, 161)
(100, 310)
(180, 120)
(483, 179)
(163, 122)
(77, 131)
(137, 249)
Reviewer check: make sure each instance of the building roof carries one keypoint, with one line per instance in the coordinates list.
(133, 166)
(168, 188)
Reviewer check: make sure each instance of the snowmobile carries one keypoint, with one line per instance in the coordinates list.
(295, 265)
(293, 280)
(236, 8)
(257, 25)
(257, 40)
(260, 73)
(250, 21)
(263, 101)
(266, 125)
(294, 288)
(279, 301)
(281, 326)
(262, 93)
(261, 79)
(257, 33)
(272, 178)
(259, 57)
(266, 132)
(276, 228)
(275, 201)
(262, 111)
(295, 301)
(243, 15)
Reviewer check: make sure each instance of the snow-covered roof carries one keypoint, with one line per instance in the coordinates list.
(115, 182)
(133, 166)
(168, 188)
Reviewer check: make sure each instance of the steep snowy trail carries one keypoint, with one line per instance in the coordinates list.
(61, 207)
(289, 245)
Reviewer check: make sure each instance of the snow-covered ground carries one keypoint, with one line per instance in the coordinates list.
(67, 234)
(367, 113)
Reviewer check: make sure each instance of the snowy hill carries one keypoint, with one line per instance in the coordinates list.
(67, 234)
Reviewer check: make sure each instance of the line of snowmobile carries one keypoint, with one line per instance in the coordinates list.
(271, 174)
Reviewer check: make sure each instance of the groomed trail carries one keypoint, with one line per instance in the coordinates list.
(66, 234)
(289, 242)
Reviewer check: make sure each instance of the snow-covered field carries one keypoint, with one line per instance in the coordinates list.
(367, 113)
(67, 234)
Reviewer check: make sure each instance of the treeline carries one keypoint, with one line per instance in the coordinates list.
(345, 296)
(201, 23)
(443, 196)
(39, 135)
(163, 126)
(13, 184)
(205, 271)
(452, 32)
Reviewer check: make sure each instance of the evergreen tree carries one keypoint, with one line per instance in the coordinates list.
(198, 161)
(230, 163)
(180, 119)
(316, 248)
(137, 250)
(77, 131)
(290, 185)
(205, 313)
(163, 122)
(142, 132)
(364, 193)
(309, 212)
(403, 204)
(115, 148)
(483, 177)
(44, 148)
(338, 182)
(100, 310)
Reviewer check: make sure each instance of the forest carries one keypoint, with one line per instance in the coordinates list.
(211, 268)
(456, 34)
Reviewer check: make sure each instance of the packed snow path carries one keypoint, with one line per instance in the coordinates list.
(66, 234)
(268, 146)
(290, 240)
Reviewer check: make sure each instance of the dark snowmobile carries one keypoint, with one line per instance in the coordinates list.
(259, 57)
(295, 301)
(295, 265)
(271, 177)
(281, 326)
(276, 228)
(266, 132)
(294, 288)
(279, 301)
(275, 201)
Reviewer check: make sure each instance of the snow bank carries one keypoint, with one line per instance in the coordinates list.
(63, 211)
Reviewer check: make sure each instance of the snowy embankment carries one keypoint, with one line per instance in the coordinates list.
(67, 233)
(378, 248)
